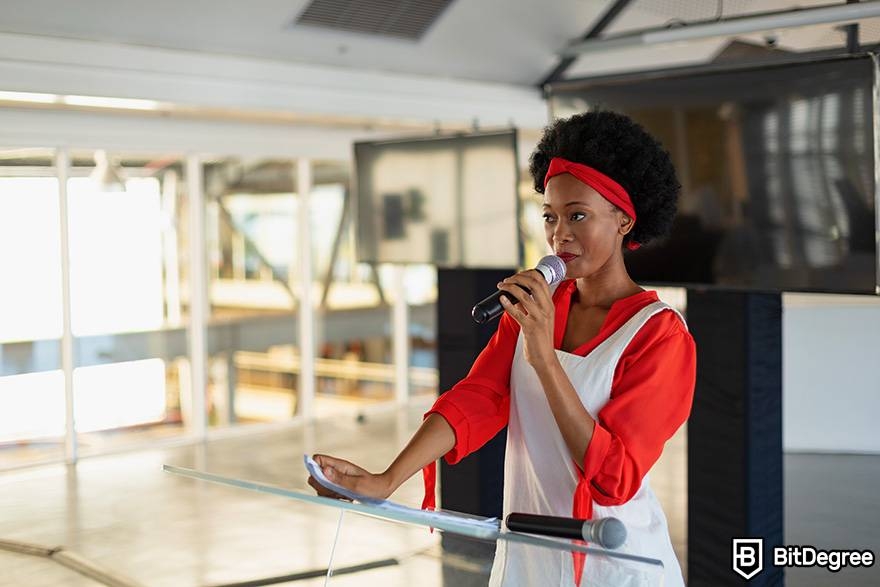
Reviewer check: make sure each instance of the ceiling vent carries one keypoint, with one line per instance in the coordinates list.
(400, 19)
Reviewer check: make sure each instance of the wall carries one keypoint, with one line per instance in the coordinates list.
(831, 373)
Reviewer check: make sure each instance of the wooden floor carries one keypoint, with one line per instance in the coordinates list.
(124, 515)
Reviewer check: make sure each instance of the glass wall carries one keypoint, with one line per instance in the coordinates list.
(131, 266)
(128, 305)
(31, 382)
(531, 221)
(354, 320)
(251, 232)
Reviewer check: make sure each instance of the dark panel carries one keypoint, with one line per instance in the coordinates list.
(777, 170)
(475, 485)
(735, 434)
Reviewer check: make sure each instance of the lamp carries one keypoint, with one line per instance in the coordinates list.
(766, 21)
(104, 176)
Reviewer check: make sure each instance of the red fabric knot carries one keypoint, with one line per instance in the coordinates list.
(429, 474)
(582, 509)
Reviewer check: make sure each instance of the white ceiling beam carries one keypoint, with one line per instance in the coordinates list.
(842, 13)
(79, 67)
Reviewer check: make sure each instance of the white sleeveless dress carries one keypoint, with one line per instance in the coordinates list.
(540, 477)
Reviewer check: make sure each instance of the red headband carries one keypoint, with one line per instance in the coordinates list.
(604, 185)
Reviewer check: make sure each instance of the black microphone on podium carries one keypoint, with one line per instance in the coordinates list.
(606, 532)
(551, 267)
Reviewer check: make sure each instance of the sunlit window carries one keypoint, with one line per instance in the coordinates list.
(30, 262)
(115, 257)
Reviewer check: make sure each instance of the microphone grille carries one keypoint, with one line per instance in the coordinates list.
(612, 533)
(553, 269)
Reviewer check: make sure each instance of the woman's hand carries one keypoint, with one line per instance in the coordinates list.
(351, 477)
(535, 314)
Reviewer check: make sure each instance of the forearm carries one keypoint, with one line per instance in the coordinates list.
(432, 440)
(572, 418)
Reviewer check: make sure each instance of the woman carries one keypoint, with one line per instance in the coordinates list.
(591, 378)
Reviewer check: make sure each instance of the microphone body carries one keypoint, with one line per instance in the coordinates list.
(606, 532)
(551, 267)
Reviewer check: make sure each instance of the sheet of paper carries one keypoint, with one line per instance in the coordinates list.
(425, 516)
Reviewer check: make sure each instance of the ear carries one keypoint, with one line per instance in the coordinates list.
(625, 224)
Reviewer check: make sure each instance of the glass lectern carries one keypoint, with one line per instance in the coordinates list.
(463, 545)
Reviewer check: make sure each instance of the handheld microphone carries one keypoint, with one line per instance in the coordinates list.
(606, 532)
(551, 267)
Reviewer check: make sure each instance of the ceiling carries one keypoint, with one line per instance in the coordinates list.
(508, 41)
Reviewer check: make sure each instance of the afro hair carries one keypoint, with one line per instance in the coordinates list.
(624, 151)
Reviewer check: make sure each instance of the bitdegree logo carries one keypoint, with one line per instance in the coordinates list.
(810, 556)
(748, 557)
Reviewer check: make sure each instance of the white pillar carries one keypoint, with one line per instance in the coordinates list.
(306, 397)
(71, 448)
(400, 336)
(198, 297)
(169, 247)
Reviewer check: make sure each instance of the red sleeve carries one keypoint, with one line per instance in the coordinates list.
(651, 397)
(478, 406)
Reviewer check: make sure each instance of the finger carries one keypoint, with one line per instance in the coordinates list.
(535, 282)
(328, 461)
(341, 465)
(514, 288)
(515, 311)
(525, 298)
(541, 289)
(522, 282)
(351, 482)
(338, 477)
(320, 489)
(324, 492)
(538, 288)
(518, 307)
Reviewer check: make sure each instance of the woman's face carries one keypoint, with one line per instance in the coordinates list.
(582, 227)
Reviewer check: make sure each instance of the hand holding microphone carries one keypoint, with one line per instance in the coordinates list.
(551, 267)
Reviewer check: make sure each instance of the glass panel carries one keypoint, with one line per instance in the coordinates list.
(531, 221)
(354, 364)
(421, 293)
(31, 385)
(127, 217)
(355, 353)
(464, 548)
(253, 284)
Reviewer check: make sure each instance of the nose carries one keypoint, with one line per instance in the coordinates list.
(561, 233)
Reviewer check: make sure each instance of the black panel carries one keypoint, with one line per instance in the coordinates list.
(735, 434)
(475, 485)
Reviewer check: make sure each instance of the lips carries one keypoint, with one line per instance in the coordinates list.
(566, 257)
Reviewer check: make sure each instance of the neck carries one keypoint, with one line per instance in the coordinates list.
(606, 286)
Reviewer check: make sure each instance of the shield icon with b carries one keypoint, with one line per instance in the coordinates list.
(748, 556)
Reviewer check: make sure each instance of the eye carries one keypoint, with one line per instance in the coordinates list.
(548, 218)
(578, 216)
